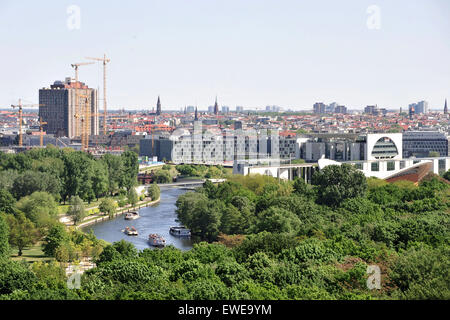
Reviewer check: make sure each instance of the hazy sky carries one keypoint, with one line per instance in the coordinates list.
(247, 52)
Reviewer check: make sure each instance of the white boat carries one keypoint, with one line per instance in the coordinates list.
(180, 231)
(131, 231)
(132, 215)
(156, 240)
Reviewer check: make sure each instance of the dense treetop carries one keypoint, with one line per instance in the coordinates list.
(261, 239)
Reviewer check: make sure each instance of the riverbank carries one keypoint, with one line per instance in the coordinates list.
(99, 218)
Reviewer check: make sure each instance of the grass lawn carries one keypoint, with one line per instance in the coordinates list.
(149, 169)
(31, 254)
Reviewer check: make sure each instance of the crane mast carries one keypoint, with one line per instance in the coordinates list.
(20, 107)
(105, 61)
(41, 131)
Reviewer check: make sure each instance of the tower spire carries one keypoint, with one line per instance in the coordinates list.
(216, 108)
(158, 107)
(196, 114)
(445, 107)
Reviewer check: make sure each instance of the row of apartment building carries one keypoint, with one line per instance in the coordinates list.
(188, 147)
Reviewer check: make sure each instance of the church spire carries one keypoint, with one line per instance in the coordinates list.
(445, 107)
(196, 114)
(158, 107)
(216, 108)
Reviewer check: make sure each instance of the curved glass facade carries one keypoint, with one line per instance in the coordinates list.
(384, 148)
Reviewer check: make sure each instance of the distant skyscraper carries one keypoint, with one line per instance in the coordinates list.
(63, 113)
(412, 110)
(239, 109)
(225, 109)
(340, 109)
(319, 107)
(216, 108)
(158, 107)
(190, 109)
(445, 107)
(331, 108)
(373, 110)
(419, 107)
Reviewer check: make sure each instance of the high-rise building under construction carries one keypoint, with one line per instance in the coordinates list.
(63, 114)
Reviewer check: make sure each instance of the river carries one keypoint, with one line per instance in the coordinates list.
(155, 219)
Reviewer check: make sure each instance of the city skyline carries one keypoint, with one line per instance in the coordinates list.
(245, 53)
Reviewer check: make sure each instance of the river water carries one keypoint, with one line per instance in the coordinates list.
(155, 219)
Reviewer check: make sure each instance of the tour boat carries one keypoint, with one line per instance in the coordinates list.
(180, 231)
(131, 215)
(156, 240)
(131, 231)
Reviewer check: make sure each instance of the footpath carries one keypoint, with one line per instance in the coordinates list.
(98, 217)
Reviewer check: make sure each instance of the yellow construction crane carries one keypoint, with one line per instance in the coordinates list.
(80, 118)
(20, 106)
(77, 105)
(41, 131)
(84, 117)
(105, 61)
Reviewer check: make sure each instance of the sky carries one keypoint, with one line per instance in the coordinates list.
(250, 53)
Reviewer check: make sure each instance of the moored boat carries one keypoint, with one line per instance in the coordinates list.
(180, 231)
(156, 240)
(131, 215)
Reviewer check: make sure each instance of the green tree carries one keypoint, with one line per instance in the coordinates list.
(278, 220)
(31, 181)
(15, 276)
(22, 233)
(335, 183)
(7, 202)
(422, 273)
(7, 178)
(77, 176)
(206, 220)
(232, 221)
(153, 191)
(115, 172)
(132, 197)
(186, 204)
(300, 187)
(40, 207)
(185, 169)
(163, 176)
(57, 236)
(446, 175)
(130, 169)
(108, 206)
(118, 250)
(4, 234)
(100, 179)
(76, 209)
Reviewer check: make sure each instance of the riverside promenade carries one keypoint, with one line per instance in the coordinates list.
(99, 217)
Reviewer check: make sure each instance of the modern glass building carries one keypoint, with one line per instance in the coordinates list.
(420, 143)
